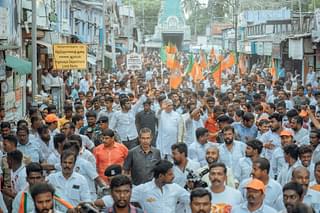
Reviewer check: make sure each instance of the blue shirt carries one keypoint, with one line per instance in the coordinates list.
(244, 133)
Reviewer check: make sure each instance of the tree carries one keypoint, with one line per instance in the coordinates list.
(146, 13)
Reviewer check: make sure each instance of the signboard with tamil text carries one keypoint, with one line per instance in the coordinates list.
(134, 61)
(69, 56)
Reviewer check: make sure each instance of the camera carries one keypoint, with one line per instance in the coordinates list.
(196, 179)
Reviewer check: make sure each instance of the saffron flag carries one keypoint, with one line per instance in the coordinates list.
(175, 79)
(196, 73)
(171, 49)
(216, 74)
(203, 60)
(170, 61)
(273, 71)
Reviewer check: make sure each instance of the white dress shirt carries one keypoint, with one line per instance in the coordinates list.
(286, 173)
(268, 137)
(180, 177)
(124, 122)
(31, 150)
(273, 192)
(277, 161)
(302, 137)
(316, 154)
(153, 200)
(243, 208)
(197, 152)
(231, 158)
(243, 170)
(75, 189)
(19, 178)
(312, 199)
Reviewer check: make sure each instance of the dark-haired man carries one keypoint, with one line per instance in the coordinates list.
(142, 159)
(109, 152)
(222, 195)
(253, 151)
(121, 189)
(70, 185)
(231, 150)
(159, 195)
(43, 198)
(200, 201)
(292, 195)
(260, 171)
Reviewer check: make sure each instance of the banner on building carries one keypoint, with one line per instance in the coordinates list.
(69, 56)
(296, 49)
(134, 61)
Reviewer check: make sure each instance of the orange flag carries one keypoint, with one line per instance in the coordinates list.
(175, 79)
(273, 71)
(171, 49)
(216, 74)
(212, 54)
(196, 73)
(170, 61)
(203, 60)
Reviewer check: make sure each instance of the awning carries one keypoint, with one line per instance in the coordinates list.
(47, 45)
(20, 65)
(92, 59)
(8, 47)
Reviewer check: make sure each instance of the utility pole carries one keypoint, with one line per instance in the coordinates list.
(235, 11)
(103, 35)
(34, 50)
(300, 16)
(113, 46)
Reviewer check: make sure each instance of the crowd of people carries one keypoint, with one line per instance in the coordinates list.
(127, 143)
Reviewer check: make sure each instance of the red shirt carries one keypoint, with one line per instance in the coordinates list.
(106, 156)
(212, 127)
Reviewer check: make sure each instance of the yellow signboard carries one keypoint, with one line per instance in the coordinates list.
(69, 56)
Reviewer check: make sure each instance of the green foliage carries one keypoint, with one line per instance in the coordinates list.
(150, 16)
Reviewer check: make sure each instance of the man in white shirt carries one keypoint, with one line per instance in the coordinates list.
(123, 122)
(291, 154)
(84, 84)
(222, 195)
(182, 165)
(43, 198)
(28, 148)
(159, 195)
(231, 150)
(311, 197)
(255, 199)
(292, 195)
(305, 155)
(315, 142)
(197, 150)
(301, 135)
(253, 151)
(277, 161)
(260, 171)
(70, 185)
(168, 127)
(200, 201)
(18, 171)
